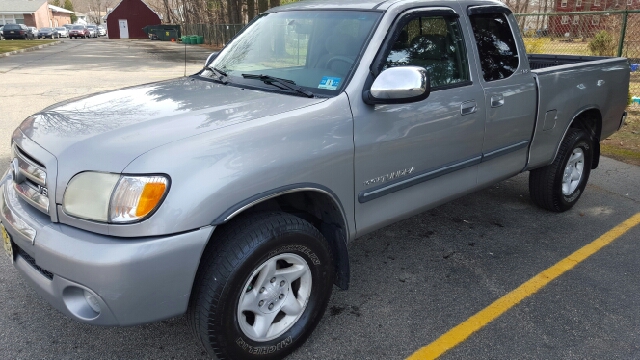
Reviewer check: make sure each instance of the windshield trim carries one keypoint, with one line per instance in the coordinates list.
(247, 83)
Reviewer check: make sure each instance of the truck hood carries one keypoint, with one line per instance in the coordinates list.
(106, 131)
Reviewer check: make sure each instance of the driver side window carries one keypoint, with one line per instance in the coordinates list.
(434, 43)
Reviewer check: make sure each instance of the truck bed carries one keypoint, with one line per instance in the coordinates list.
(569, 85)
(541, 61)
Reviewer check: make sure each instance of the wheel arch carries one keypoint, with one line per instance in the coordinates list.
(312, 202)
(588, 118)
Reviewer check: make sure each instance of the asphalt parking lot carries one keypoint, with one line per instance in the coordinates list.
(411, 282)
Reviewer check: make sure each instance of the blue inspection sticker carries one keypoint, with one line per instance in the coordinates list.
(329, 83)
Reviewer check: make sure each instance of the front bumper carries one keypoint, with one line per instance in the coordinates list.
(14, 36)
(133, 281)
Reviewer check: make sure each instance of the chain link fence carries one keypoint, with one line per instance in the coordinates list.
(607, 33)
(214, 34)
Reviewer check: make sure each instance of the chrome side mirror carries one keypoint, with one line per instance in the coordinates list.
(399, 85)
(211, 58)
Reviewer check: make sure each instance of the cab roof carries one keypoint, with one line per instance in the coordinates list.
(333, 4)
(381, 5)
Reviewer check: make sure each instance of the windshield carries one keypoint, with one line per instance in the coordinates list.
(91, 27)
(78, 27)
(64, 29)
(45, 29)
(316, 50)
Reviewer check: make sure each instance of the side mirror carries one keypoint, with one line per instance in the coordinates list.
(399, 85)
(211, 58)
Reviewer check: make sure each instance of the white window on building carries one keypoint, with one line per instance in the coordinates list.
(7, 19)
(578, 3)
(565, 19)
(576, 19)
(596, 2)
(629, 2)
(595, 20)
(564, 3)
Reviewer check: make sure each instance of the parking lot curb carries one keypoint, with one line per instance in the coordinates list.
(34, 48)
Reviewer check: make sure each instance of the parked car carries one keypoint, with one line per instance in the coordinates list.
(68, 26)
(17, 31)
(48, 32)
(1, 35)
(35, 31)
(232, 195)
(79, 31)
(93, 31)
(102, 31)
(62, 32)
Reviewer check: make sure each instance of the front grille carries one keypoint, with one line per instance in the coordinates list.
(28, 258)
(30, 180)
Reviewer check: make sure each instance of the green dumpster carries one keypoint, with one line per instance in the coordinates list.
(194, 39)
(163, 32)
(200, 39)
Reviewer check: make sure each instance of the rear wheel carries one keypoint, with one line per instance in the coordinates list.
(262, 287)
(557, 187)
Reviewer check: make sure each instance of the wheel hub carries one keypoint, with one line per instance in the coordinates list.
(573, 172)
(274, 297)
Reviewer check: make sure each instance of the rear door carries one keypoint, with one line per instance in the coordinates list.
(509, 92)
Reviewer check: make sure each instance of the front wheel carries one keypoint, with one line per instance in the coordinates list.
(262, 287)
(557, 187)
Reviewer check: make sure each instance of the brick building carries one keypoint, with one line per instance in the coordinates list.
(36, 13)
(577, 25)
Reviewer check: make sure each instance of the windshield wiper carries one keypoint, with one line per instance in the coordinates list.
(221, 75)
(288, 84)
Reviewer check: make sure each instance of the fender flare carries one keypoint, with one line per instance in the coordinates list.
(342, 236)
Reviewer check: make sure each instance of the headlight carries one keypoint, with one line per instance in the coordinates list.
(113, 198)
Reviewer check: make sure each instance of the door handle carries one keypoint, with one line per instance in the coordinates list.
(468, 107)
(497, 101)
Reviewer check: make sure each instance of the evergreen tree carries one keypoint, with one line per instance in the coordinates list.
(69, 6)
(56, 3)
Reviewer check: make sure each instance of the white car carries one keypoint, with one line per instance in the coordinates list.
(93, 30)
(63, 32)
(35, 31)
(102, 31)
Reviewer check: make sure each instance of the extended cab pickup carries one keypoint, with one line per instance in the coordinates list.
(231, 195)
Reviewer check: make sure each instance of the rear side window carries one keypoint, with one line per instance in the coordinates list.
(12, 27)
(496, 46)
(435, 43)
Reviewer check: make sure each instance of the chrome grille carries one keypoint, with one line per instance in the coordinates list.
(30, 180)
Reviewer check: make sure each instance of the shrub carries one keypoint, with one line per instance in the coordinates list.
(534, 46)
(603, 44)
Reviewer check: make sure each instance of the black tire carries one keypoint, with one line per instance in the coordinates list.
(545, 184)
(229, 263)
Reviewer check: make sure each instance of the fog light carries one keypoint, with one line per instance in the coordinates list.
(92, 300)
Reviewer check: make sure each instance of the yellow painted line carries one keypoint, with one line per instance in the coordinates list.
(461, 332)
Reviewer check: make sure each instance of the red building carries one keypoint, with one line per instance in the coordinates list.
(128, 18)
(577, 25)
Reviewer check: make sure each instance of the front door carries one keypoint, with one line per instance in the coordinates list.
(124, 29)
(411, 156)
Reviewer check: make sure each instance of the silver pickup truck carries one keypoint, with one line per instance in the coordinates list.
(231, 195)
